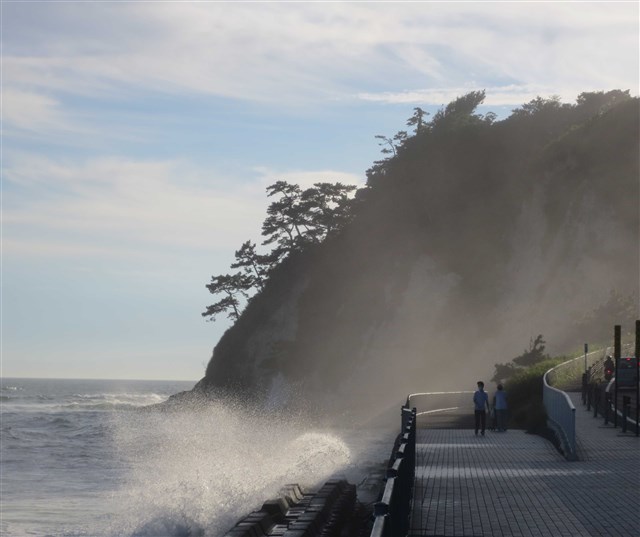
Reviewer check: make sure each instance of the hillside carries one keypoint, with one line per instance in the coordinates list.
(472, 237)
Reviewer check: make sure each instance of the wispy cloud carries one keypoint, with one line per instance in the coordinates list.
(497, 96)
(121, 207)
(30, 111)
(292, 53)
(306, 178)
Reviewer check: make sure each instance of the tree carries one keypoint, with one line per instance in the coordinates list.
(327, 207)
(459, 112)
(503, 372)
(417, 120)
(298, 218)
(254, 265)
(597, 102)
(232, 287)
(531, 356)
(285, 218)
(534, 354)
(391, 145)
(537, 106)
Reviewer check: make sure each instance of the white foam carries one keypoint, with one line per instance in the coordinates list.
(200, 471)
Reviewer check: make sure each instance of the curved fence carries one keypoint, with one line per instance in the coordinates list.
(561, 413)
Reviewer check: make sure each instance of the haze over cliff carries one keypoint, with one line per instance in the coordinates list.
(473, 236)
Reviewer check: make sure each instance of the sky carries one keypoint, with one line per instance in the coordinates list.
(138, 139)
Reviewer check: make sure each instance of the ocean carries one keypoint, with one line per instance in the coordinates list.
(82, 458)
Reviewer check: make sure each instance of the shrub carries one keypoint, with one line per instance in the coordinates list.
(525, 396)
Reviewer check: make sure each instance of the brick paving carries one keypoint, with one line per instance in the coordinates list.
(517, 485)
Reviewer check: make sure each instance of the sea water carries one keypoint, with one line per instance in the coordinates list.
(85, 458)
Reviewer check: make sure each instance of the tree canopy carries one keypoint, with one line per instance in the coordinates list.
(295, 219)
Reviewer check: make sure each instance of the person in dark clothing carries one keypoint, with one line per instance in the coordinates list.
(608, 368)
(481, 405)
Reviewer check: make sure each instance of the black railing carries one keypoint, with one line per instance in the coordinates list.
(392, 512)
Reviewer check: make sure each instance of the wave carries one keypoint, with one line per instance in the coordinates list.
(107, 405)
(204, 469)
(11, 388)
(80, 402)
(112, 401)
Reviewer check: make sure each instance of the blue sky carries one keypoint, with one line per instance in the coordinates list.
(138, 139)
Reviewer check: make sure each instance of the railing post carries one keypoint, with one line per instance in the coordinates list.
(596, 399)
(617, 353)
(637, 355)
(626, 406)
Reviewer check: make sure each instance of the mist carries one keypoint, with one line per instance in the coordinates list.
(471, 238)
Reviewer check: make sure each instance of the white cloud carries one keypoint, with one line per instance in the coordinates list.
(295, 53)
(498, 96)
(121, 207)
(29, 111)
(33, 115)
(306, 178)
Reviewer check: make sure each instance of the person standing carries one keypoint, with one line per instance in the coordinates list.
(481, 404)
(500, 408)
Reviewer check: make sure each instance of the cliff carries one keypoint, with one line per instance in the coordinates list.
(475, 236)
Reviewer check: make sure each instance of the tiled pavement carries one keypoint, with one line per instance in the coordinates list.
(513, 484)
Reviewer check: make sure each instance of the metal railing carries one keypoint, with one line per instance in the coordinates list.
(393, 510)
(568, 375)
(561, 413)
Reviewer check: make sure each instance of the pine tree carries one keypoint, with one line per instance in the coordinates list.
(232, 287)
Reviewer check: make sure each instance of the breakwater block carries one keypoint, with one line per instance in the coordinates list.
(328, 512)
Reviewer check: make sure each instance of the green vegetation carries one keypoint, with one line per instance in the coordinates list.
(522, 378)
(533, 355)
(525, 396)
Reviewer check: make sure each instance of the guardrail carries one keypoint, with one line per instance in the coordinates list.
(392, 512)
(561, 414)
(568, 375)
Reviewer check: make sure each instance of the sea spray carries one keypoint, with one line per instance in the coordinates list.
(196, 472)
(83, 458)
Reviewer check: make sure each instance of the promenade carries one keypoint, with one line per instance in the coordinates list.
(517, 485)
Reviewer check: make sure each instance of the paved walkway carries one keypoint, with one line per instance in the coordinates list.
(517, 485)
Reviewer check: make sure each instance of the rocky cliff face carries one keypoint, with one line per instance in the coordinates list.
(466, 245)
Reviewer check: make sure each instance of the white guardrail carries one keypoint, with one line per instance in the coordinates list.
(561, 414)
